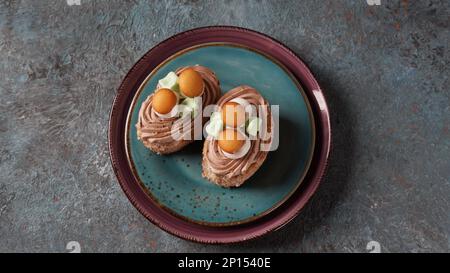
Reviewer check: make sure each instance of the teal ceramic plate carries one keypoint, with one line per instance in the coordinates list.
(175, 181)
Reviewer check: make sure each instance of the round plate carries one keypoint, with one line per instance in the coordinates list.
(166, 217)
(175, 181)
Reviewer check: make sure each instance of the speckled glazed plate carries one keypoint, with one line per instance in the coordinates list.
(170, 191)
(175, 181)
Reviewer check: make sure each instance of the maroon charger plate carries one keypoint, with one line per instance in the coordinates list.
(189, 230)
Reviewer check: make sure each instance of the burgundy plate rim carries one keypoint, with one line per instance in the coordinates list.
(200, 233)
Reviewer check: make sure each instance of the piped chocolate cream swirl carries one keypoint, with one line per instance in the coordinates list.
(217, 166)
(156, 132)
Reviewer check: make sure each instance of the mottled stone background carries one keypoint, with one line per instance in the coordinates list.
(385, 70)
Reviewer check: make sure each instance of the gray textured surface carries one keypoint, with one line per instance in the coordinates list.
(384, 69)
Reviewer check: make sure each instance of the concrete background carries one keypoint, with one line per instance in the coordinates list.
(384, 70)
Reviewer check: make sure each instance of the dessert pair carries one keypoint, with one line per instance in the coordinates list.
(239, 130)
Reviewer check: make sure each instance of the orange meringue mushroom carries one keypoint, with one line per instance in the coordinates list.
(233, 114)
(191, 83)
(164, 100)
(231, 140)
